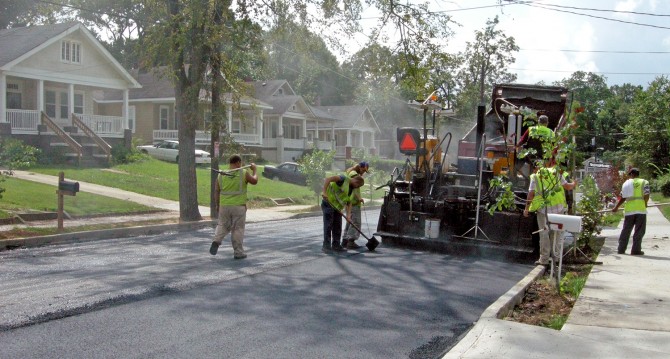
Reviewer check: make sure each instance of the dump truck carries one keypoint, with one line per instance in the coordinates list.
(433, 204)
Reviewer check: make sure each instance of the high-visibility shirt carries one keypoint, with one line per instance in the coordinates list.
(356, 192)
(549, 184)
(338, 195)
(636, 204)
(233, 188)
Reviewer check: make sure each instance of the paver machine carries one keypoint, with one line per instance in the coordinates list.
(432, 204)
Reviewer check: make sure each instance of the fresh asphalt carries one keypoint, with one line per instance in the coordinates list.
(165, 296)
(621, 313)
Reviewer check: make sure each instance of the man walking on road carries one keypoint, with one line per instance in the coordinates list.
(231, 186)
(635, 193)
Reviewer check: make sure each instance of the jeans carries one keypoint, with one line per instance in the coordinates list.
(351, 233)
(332, 225)
(637, 221)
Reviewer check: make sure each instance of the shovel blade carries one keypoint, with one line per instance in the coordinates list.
(372, 244)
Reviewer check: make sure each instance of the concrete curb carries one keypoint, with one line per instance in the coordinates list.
(103, 234)
(496, 311)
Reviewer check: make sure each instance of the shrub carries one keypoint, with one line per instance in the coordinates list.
(588, 207)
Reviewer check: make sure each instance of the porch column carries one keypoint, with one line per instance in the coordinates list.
(40, 96)
(259, 123)
(126, 109)
(229, 118)
(348, 138)
(304, 133)
(333, 143)
(70, 101)
(316, 136)
(280, 139)
(3, 97)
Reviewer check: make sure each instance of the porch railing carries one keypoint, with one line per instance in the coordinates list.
(23, 120)
(204, 137)
(108, 126)
(74, 145)
(106, 148)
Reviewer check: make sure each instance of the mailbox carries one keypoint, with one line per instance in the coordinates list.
(68, 186)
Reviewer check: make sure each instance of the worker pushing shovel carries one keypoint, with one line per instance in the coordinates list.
(336, 195)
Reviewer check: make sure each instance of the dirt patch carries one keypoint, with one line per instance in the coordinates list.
(543, 304)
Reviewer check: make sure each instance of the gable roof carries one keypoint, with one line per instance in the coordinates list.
(20, 43)
(348, 116)
(157, 86)
(264, 90)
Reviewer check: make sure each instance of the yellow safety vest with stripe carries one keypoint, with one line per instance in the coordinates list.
(356, 193)
(338, 196)
(636, 203)
(547, 181)
(233, 188)
(542, 132)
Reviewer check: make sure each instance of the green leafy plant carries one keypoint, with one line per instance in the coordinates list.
(14, 154)
(505, 197)
(588, 207)
(314, 165)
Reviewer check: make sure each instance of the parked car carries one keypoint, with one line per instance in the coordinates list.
(169, 151)
(287, 172)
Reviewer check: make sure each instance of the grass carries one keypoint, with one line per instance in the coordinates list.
(22, 196)
(659, 198)
(160, 179)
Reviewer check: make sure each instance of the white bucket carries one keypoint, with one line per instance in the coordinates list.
(432, 228)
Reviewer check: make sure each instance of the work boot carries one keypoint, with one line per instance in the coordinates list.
(240, 256)
(214, 248)
(326, 249)
(337, 247)
(351, 244)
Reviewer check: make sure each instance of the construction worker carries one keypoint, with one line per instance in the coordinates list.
(336, 195)
(546, 195)
(635, 196)
(231, 186)
(535, 138)
(351, 234)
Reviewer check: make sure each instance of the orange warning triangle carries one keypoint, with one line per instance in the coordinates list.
(408, 143)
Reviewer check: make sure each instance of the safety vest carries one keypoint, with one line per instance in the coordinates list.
(233, 188)
(540, 131)
(356, 193)
(537, 135)
(548, 182)
(338, 196)
(635, 204)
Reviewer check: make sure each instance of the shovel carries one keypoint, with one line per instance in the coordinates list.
(372, 241)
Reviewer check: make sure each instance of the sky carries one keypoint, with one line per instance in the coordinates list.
(554, 43)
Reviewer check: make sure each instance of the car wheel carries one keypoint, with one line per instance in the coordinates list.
(176, 159)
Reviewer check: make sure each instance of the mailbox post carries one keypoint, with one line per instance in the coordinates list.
(65, 188)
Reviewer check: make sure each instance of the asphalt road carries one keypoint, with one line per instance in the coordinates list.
(165, 296)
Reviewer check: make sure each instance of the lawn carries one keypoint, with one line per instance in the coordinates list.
(160, 179)
(22, 196)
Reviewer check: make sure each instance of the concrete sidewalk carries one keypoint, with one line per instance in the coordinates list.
(622, 312)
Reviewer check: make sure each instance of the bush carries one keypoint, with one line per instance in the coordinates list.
(123, 155)
(662, 185)
(588, 207)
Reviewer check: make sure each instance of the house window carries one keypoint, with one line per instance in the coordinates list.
(50, 103)
(237, 126)
(131, 118)
(13, 96)
(63, 105)
(207, 117)
(70, 52)
(164, 116)
(79, 103)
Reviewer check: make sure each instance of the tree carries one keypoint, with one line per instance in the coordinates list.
(14, 155)
(314, 165)
(485, 63)
(18, 13)
(591, 91)
(647, 140)
(302, 58)
(613, 117)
